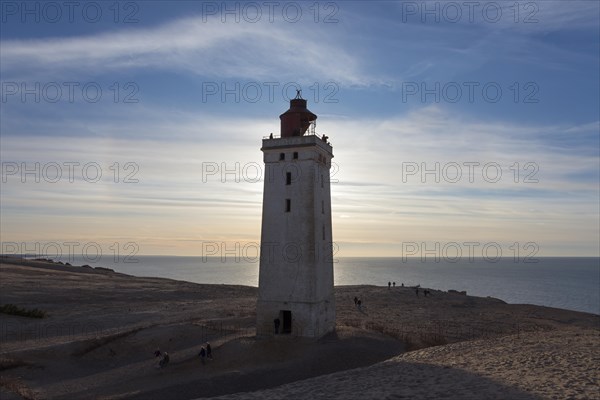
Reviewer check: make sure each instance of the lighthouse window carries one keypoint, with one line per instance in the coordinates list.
(288, 205)
(295, 155)
(281, 156)
(288, 178)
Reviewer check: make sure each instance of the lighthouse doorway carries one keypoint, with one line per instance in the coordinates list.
(286, 318)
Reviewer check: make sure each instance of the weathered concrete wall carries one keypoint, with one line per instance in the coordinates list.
(296, 266)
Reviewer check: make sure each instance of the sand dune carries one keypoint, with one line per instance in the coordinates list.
(102, 328)
(552, 365)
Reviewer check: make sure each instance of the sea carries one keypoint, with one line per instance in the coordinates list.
(571, 283)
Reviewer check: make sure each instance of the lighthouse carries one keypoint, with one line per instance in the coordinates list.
(295, 286)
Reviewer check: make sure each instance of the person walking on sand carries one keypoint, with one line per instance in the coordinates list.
(394, 284)
(208, 351)
(417, 291)
(359, 303)
(276, 322)
(389, 285)
(164, 361)
(355, 301)
(202, 354)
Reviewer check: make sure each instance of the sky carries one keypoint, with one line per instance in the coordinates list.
(458, 128)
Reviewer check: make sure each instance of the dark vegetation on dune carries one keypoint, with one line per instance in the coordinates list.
(12, 309)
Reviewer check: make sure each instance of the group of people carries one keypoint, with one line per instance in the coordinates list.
(164, 358)
(358, 303)
(205, 352)
(426, 292)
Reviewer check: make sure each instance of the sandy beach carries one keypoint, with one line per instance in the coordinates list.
(101, 329)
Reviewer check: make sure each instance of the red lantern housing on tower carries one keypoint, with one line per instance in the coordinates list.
(296, 120)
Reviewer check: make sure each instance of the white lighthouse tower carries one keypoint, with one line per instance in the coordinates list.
(295, 287)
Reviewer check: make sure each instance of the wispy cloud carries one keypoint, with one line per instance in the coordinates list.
(372, 202)
(170, 135)
(207, 48)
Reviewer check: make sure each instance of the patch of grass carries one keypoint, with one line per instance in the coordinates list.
(11, 309)
(413, 340)
(432, 339)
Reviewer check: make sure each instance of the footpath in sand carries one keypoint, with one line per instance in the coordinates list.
(102, 328)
